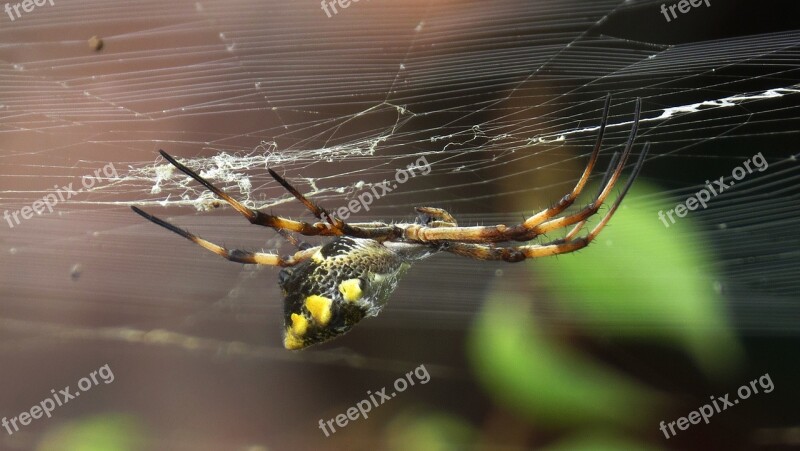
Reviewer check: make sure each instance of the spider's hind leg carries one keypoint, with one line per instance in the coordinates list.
(318, 212)
(374, 231)
(435, 217)
(234, 255)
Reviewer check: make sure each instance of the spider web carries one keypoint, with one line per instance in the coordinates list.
(502, 99)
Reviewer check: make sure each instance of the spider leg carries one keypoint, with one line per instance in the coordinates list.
(564, 202)
(319, 212)
(435, 217)
(579, 226)
(560, 246)
(541, 222)
(234, 255)
(277, 222)
(254, 216)
(592, 208)
(299, 244)
(371, 230)
(568, 199)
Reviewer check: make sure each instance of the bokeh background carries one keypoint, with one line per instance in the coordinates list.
(590, 350)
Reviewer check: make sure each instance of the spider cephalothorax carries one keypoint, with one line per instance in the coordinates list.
(329, 288)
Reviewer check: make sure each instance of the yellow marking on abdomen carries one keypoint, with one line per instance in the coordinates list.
(351, 290)
(294, 333)
(299, 325)
(292, 341)
(320, 308)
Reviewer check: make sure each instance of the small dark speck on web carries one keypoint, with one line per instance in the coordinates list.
(75, 272)
(95, 43)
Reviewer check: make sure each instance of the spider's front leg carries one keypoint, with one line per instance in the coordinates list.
(565, 245)
(435, 217)
(546, 220)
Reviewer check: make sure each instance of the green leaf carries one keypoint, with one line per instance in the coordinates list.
(111, 432)
(531, 374)
(642, 280)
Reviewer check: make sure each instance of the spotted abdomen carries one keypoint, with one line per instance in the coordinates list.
(346, 280)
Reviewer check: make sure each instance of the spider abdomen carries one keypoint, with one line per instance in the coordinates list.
(347, 280)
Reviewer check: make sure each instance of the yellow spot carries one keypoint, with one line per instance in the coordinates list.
(292, 342)
(320, 308)
(317, 257)
(351, 290)
(299, 325)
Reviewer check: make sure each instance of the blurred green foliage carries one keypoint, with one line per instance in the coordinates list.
(109, 432)
(642, 280)
(542, 380)
(599, 441)
(425, 431)
(638, 281)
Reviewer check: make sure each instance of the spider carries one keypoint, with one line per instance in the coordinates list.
(329, 288)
